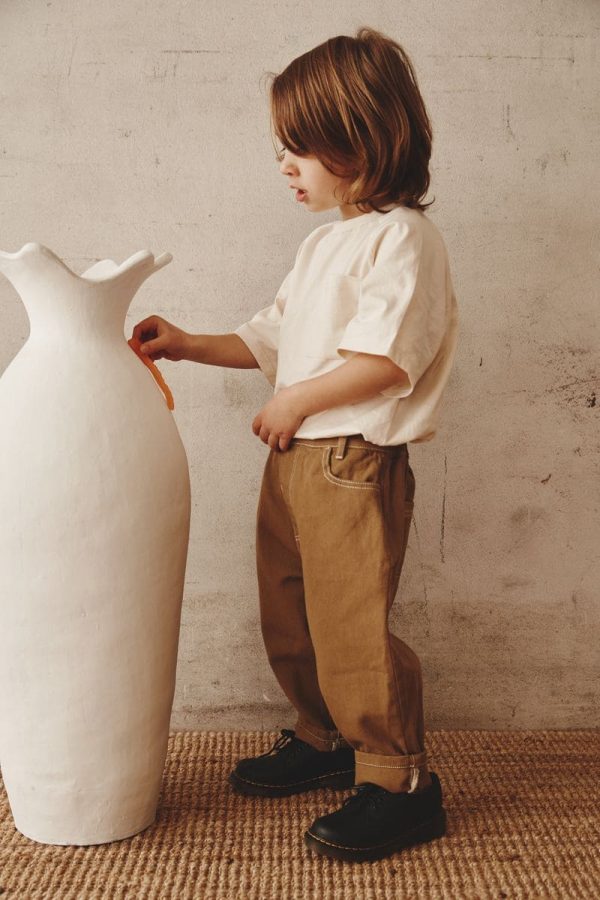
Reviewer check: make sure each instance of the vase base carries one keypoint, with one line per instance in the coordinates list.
(79, 838)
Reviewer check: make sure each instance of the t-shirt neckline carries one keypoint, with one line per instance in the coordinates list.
(363, 219)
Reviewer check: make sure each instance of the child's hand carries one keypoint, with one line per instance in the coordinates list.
(161, 338)
(278, 421)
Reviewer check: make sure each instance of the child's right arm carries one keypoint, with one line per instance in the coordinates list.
(163, 339)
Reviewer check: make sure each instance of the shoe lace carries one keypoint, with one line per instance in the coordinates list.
(366, 796)
(286, 741)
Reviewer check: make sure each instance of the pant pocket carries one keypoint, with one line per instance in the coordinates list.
(360, 468)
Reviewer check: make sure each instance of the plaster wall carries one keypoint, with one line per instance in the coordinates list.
(145, 125)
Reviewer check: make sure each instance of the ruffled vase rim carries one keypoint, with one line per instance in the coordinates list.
(135, 261)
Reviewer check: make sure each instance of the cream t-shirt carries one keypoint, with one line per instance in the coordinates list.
(376, 283)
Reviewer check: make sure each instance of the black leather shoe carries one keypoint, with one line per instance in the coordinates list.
(292, 766)
(374, 822)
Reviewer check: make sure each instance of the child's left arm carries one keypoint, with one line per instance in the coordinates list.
(359, 378)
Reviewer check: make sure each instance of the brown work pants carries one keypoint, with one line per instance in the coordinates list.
(332, 527)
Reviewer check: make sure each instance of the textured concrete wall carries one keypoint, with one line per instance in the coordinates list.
(145, 125)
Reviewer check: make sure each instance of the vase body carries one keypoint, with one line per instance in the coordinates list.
(94, 527)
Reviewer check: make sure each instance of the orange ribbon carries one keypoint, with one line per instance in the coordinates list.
(135, 345)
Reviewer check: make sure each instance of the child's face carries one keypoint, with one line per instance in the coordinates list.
(323, 190)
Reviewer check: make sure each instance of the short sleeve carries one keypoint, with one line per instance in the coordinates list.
(398, 316)
(261, 332)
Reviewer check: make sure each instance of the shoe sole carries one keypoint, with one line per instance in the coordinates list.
(427, 831)
(338, 780)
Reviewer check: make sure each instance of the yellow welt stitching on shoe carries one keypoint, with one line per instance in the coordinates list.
(371, 846)
(294, 783)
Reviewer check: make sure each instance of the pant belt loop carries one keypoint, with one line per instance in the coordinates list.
(341, 446)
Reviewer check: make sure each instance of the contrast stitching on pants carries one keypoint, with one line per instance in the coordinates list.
(421, 754)
(401, 711)
(383, 766)
(306, 443)
(414, 779)
(272, 458)
(323, 740)
(291, 478)
(362, 485)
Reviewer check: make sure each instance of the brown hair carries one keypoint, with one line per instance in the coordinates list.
(354, 103)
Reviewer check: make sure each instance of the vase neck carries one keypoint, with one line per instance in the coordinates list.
(60, 302)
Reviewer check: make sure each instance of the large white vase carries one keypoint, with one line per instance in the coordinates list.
(94, 527)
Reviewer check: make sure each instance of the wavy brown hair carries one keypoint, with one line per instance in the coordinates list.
(354, 103)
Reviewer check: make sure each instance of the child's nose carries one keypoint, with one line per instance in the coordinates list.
(286, 166)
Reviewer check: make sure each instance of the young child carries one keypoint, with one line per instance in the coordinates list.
(358, 344)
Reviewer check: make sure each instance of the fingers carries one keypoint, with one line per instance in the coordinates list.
(274, 441)
(261, 430)
(146, 328)
(155, 336)
(284, 442)
(157, 345)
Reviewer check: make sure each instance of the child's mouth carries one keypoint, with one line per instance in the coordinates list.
(300, 195)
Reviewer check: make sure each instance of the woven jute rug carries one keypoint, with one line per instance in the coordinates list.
(523, 821)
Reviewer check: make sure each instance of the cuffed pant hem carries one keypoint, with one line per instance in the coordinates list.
(319, 738)
(395, 773)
